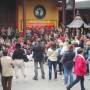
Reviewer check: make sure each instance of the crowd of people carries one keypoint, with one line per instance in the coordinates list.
(71, 55)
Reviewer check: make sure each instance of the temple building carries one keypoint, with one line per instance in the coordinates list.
(24, 14)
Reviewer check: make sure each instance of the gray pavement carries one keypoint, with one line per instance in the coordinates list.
(29, 84)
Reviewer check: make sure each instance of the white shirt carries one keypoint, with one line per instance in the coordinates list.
(7, 69)
(52, 54)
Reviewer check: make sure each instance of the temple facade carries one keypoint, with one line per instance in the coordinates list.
(24, 14)
(37, 13)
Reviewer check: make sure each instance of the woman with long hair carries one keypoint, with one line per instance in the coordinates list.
(52, 60)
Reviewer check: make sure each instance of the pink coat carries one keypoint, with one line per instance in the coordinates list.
(80, 67)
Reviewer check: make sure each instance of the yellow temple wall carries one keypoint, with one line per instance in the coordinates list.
(51, 11)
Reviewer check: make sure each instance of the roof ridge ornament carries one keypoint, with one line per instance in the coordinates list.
(77, 13)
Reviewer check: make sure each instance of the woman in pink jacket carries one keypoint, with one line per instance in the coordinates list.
(80, 69)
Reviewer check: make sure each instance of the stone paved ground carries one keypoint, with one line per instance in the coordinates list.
(29, 84)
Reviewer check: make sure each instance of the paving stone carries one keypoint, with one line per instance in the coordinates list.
(29, 84)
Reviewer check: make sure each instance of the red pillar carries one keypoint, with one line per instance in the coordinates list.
(16, 14)
(24, 16)
(64, 13)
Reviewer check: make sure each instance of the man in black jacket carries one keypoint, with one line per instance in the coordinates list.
(19, 60)
(38, 55)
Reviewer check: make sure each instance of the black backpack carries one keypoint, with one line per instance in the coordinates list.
(68, 60)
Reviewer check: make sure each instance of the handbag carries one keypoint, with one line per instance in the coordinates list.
(25, 58)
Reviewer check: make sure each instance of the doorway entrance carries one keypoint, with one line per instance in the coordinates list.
(7, 13)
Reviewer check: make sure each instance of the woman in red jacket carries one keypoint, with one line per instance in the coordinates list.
(80, 69)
